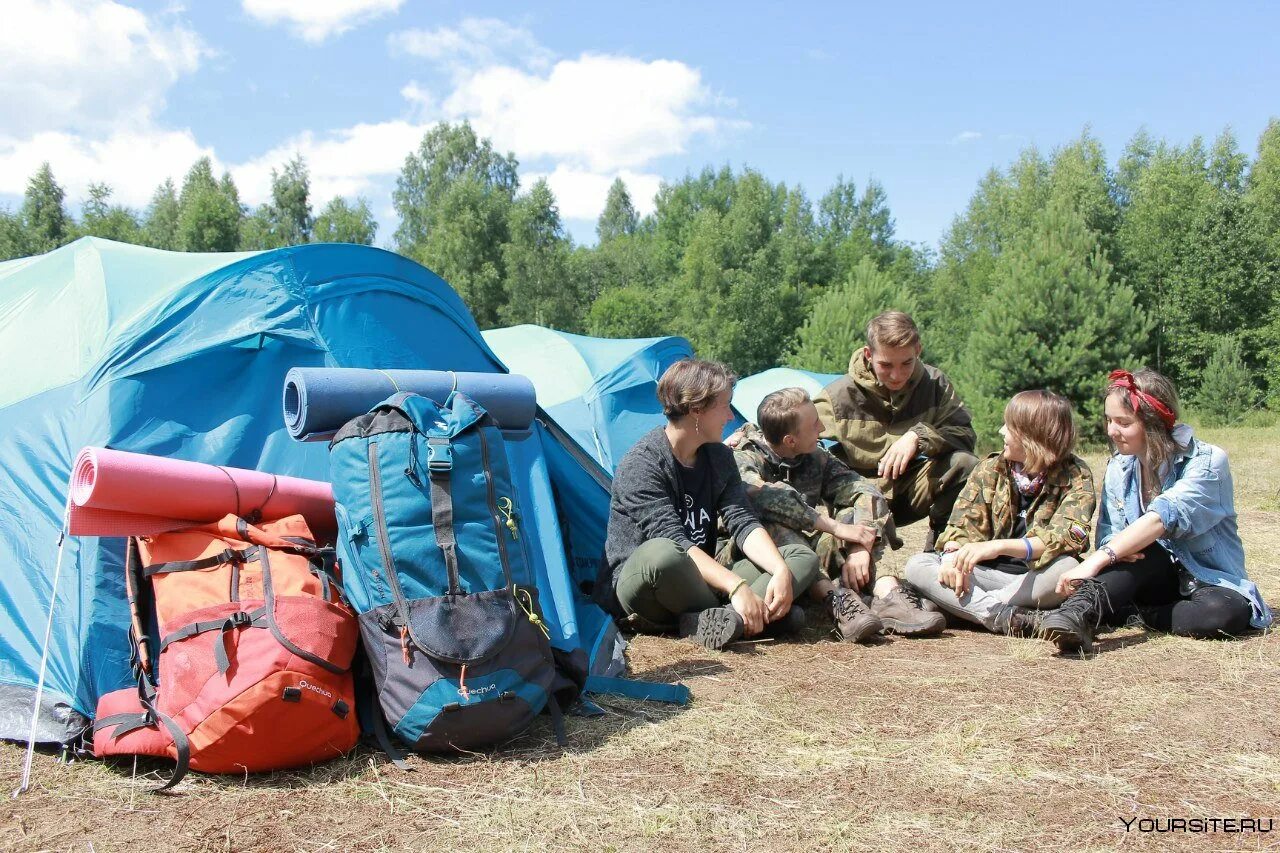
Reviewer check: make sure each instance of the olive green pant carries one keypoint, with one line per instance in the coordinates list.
(660, 581)
(928, 488)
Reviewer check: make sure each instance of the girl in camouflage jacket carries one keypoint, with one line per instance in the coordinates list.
(1021, 522)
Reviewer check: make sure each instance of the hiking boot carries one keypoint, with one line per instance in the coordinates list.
(853, 620)
(931, 539)
(1017, 621)
(791, 624)
(901, 613)
(1074, 623)
(714, 628)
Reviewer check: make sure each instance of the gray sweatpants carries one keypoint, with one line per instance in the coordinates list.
(994, 585)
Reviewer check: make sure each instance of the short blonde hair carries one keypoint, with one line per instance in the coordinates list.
(692, 383)
(779, 413)
(1046, 424)
(892, 329)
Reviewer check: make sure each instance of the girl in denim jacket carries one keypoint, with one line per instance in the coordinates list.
(1167, 539)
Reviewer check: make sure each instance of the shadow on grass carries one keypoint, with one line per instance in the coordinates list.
(367, 762)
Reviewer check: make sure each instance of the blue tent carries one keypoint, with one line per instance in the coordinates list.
(750, 390)
(184, 355)
(601, 391)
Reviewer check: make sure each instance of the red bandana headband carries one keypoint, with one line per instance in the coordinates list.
(1123, 381)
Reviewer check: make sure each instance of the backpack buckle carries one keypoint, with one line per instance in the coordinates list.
(439, 455)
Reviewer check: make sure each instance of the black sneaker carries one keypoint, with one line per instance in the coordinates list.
(714, 628)
(1074, 623)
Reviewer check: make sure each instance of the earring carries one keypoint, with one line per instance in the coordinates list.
(697, 425)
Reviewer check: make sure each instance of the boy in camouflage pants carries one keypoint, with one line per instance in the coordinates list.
(805, 496)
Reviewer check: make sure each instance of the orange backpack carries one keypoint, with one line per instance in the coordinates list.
(255, 649)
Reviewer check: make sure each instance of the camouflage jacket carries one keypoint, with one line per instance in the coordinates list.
(794, 492)
(1060, 515)
(865, 418)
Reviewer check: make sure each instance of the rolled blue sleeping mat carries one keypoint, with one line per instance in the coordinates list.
(319, 400)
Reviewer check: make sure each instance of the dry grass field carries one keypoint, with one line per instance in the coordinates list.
(966, 741)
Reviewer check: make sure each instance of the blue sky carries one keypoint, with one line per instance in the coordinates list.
(924, 97)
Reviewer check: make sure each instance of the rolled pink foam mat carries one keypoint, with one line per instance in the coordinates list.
(116, 493)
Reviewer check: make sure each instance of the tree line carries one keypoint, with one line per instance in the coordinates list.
(1061, 266)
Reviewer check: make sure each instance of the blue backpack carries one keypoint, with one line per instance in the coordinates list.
(434, 563)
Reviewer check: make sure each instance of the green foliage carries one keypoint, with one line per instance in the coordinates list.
(45, 224)
(209, 212)
(454, 198)
(341, 222)
(1055, 320)
(838, 319)
(1227, 391)
(619, 217)
(540, 288)
(13, 242)
(100, 218)
(627, 312)
(160, 227)
(286, 219)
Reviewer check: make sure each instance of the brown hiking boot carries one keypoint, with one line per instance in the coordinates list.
(901, 613)
(853, 620)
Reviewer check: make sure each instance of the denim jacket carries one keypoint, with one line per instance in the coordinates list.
(1197, 507)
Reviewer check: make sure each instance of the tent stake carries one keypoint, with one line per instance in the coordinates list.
(44, 653)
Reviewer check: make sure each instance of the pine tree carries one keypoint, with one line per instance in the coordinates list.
(209, 211)
(160, 228)
(45, 223)
(1054, 320)
(838, 319)
(100, 218)
(619, 217)
(1227, 391)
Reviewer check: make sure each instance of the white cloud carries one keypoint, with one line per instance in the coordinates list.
(345, 162)
(91, 65)
(474, 43)
(965, 136)
(581, 194)
(603, 113)
(132, 162)
(316, 20)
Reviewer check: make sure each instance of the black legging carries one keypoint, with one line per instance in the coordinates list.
(1151, 585)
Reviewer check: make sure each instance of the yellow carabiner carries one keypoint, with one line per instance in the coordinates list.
(508, 510)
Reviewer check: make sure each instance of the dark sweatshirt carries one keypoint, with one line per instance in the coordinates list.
(645, 504)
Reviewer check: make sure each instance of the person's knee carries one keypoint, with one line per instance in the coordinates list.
(1217, 615)
(803, 563)
(922, 570)
(659, 558)
(959, 465)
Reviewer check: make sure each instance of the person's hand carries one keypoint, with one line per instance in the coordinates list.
(856, 569)
(858, 534)
(1071, 579)
(750, 607)
(778, 595)
(971, 554)
(734, 440)
(899, 455)
(949, 574)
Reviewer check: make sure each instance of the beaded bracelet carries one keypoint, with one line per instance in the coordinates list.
(1111, 554)
(734, 591)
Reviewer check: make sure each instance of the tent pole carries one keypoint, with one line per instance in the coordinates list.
(44, 654)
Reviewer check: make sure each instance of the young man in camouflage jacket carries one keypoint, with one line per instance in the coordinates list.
(901, 423)
(805, 496)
